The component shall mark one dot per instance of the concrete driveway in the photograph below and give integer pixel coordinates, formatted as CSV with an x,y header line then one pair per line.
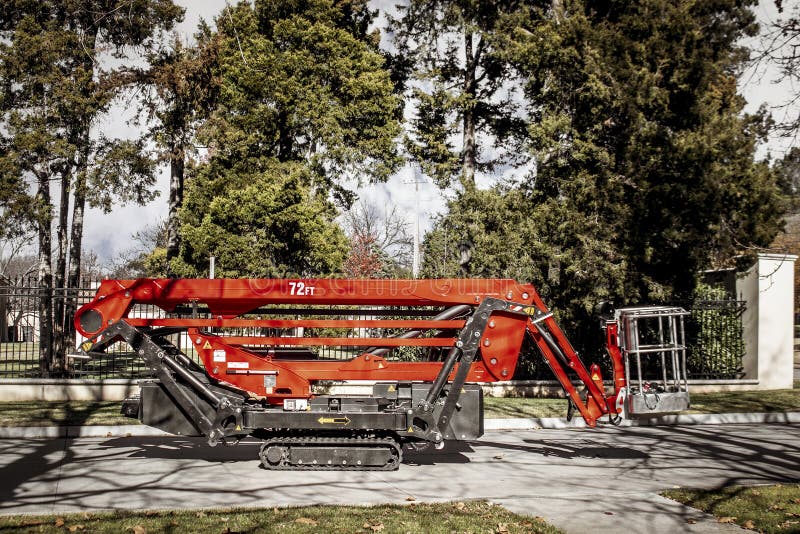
x,y
601,480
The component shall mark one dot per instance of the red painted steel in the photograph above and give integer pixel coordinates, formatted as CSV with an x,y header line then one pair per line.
x,y
256,363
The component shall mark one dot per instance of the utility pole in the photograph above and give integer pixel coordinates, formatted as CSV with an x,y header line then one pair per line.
x,y
416,180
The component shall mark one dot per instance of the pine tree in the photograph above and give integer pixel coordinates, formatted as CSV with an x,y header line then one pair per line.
x,y
305,105
458,83
182,86
645,170
53,91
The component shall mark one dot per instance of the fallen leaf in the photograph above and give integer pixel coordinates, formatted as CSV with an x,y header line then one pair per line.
x,y
796,501
75,528
526,524
139,529
306,521
460,505
755,492
201,514
410,498
59,522
608,513
223,519
691,521
498,457
376,528
85,515
749,524
502,528
726,519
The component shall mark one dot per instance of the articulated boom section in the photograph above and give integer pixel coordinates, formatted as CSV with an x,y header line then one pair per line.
x,y
267,347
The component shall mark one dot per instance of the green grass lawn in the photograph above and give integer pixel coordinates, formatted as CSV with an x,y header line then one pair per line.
x,y
469,516
769,509
779,400
75,413
506,407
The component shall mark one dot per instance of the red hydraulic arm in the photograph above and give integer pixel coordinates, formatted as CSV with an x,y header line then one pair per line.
x,y
245,330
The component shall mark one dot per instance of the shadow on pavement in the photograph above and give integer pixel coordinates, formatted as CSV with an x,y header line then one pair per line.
x,y
588,449
452,453
35,464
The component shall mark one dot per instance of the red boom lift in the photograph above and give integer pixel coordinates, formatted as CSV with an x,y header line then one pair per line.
x,y
269,348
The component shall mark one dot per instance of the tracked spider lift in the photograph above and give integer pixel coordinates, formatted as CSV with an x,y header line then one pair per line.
x,y
267,350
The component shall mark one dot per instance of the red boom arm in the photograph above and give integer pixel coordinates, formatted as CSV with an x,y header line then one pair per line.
x,y
243,329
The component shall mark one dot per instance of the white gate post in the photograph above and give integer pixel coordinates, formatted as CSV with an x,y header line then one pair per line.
x,y
768,321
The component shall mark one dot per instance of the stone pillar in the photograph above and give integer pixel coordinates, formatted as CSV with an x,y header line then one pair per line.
x,y
768,289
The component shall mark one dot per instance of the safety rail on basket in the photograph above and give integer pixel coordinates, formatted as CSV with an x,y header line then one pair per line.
x,y
652,342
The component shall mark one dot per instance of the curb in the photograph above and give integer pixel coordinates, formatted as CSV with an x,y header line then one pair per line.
x,y
71,432
535,423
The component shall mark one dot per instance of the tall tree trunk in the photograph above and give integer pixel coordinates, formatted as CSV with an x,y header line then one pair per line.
x,y
76,243
176,168
470,150
59,277
79,205
45,276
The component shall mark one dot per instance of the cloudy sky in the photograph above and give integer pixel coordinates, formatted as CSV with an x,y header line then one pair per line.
x,y
109,234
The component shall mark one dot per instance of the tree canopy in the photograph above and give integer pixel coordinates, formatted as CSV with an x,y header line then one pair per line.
x,y
634,165
268,224
305,103
460,84
52,92
645,169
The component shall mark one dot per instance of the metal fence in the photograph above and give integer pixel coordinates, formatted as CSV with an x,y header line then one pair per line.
x,y
22,347
714,337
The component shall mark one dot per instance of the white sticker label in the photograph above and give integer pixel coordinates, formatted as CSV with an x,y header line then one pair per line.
x,y
302,289
238,365
219,355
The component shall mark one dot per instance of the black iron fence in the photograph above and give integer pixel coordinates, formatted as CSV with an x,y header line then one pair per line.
x,y
715,339
713,330
25,347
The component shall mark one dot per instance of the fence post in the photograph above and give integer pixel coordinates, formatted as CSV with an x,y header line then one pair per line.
x,y
768,288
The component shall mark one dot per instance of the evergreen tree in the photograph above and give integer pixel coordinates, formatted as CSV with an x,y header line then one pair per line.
x,y
53,91
459,83
263,225
182,88
644,164
305,104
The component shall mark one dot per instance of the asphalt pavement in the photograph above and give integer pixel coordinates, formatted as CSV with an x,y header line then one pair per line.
x,y
581,480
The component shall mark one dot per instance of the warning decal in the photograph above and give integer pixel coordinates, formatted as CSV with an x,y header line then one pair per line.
x,y
219,355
